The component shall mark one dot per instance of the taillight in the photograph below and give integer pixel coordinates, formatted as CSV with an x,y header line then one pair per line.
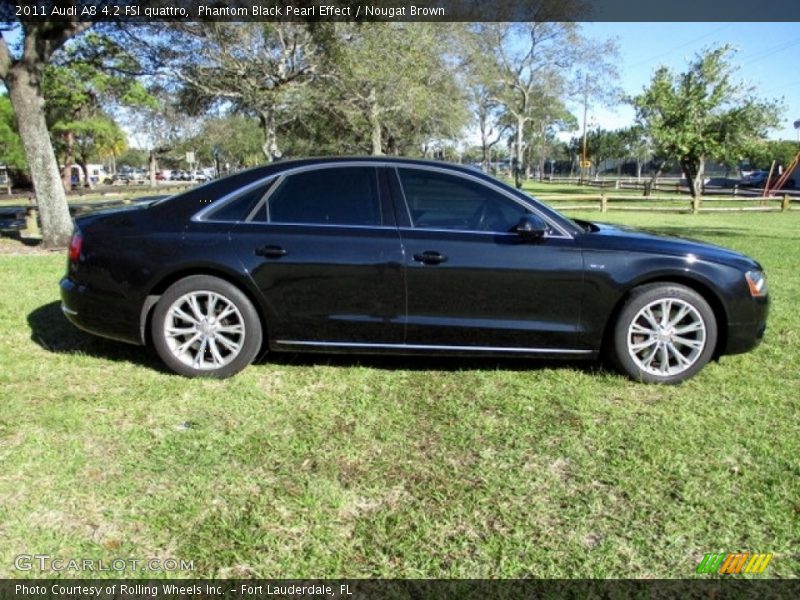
x,y
75,246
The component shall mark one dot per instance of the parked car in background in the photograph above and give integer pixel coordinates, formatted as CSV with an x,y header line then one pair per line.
x,y
759,178
383,255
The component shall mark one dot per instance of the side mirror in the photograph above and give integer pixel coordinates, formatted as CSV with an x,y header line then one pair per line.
x,y
531,227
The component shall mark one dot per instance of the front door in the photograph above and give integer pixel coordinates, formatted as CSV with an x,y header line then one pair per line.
x,y
472,282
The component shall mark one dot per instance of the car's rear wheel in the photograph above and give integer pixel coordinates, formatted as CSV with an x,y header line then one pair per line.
x,y
665,333
204,326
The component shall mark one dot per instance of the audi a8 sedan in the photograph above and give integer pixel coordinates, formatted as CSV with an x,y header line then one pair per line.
x,y
386,255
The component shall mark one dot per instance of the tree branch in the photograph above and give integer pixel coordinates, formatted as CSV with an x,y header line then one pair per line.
x,y
42,39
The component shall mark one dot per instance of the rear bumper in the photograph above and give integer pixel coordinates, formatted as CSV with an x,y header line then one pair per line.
x,y
99,314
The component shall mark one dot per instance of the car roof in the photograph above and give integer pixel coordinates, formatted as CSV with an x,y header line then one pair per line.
x,y
194,199
282,165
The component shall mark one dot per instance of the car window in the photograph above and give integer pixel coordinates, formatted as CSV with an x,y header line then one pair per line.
x,y
240,207
441,201
334,196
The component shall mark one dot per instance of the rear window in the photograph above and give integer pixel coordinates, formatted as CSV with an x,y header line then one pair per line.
x,y
240,207
328,196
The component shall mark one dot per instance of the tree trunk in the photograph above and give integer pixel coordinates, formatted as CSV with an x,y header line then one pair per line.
x,y
26,97
270,145
87,182
66,174
484,156
518,153
152,164
693,170
484,144
375,125
656,174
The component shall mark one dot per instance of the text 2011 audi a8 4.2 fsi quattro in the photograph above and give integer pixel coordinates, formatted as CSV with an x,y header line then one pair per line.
x,y
401,256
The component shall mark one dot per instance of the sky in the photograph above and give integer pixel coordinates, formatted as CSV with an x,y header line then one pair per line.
x,y
768,55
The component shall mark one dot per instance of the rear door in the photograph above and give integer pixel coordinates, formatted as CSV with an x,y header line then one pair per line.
x,y
324,251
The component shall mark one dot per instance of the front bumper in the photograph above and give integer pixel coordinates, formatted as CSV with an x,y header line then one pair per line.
x,y
743,337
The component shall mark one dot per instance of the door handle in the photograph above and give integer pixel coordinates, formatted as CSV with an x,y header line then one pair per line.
x,y
271,251
430,257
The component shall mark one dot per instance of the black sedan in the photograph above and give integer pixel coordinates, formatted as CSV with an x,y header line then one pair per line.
x,y
374,255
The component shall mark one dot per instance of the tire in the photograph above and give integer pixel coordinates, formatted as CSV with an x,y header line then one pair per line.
x,y
189,335
681,345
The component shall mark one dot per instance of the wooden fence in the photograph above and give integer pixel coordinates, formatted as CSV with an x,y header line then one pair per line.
x,y
607,202
674,185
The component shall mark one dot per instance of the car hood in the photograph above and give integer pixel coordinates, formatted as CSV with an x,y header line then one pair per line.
x,y
638,240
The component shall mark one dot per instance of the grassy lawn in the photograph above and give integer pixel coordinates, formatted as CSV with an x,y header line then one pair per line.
x,y
333,467
541,187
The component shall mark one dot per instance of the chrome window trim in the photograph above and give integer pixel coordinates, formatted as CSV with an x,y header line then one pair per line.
x,y
327,225
265,199
488,184
348,164
405,199
434,347
474,232
230,197
200,216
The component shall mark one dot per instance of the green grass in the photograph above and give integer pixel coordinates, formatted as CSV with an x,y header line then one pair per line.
x,y
544,188
337,467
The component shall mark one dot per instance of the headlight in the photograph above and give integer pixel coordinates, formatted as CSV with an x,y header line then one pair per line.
x,y
757,282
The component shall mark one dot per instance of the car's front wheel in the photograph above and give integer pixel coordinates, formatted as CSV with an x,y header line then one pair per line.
x,y
665,333
204,326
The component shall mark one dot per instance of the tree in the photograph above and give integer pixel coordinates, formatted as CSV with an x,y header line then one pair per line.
x,y
596,83
93,72
530,69
529,62
487,116
637,146
548,119
132,157
21,73
400,93
236,139
161,125
97,137
602,145
702,114
12,153
761,155
259,68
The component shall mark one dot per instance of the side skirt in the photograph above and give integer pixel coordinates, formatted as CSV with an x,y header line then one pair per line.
x,y
369,348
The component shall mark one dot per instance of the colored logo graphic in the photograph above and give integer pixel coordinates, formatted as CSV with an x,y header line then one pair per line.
x,y
733,563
